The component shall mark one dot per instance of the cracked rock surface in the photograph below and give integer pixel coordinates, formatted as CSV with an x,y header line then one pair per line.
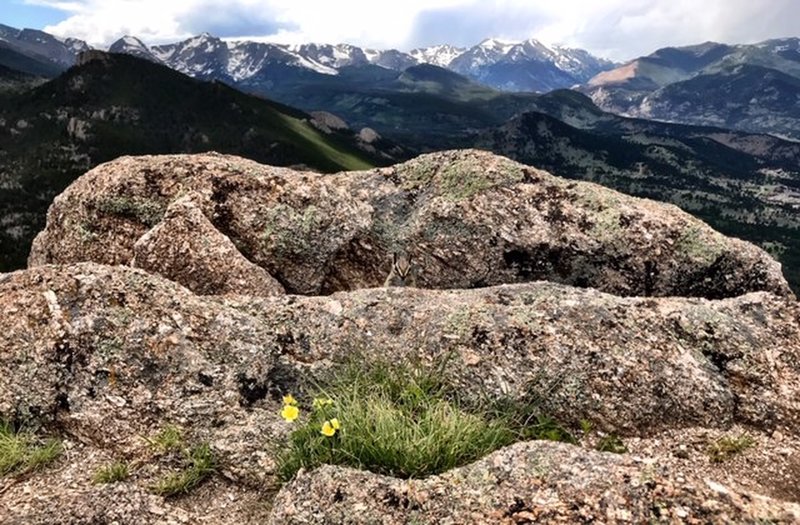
x,y
104,356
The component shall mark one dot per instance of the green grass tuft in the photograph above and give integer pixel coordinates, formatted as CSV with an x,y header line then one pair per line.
x,y
113,473
200,464
403,422
612,443
169,438
528,422
22,452
728,446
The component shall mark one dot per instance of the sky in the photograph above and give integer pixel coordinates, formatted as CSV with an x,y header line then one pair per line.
x,y
615,29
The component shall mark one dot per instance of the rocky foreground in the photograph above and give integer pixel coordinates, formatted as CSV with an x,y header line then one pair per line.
x,y
156,296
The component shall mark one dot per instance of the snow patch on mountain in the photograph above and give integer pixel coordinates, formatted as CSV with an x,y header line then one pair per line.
x,y
441,55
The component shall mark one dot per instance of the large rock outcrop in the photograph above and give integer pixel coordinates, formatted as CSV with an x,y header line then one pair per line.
x,y
531,482
469,218
104,356
165,306
632,365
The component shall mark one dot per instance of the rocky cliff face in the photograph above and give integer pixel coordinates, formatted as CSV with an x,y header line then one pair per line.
x,y
198,335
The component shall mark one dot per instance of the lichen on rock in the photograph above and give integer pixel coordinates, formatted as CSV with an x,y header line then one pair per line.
x,y
534,482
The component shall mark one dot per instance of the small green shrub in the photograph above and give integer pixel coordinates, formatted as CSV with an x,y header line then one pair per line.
x,y
400,421
113,473
612,443
200,464
728,446
22,452
168,439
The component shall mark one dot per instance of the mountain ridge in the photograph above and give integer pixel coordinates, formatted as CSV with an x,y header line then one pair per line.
x,y
210,57
747,87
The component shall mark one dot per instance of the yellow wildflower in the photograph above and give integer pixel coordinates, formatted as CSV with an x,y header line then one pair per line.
x,y
290,412
289,400
329,428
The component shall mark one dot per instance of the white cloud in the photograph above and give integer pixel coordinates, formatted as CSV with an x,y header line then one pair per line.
x,y
100,22
638,27
616,28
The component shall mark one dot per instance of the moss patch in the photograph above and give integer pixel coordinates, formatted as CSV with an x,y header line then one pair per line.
x,y
291,231
700,244
728,446
460,178
146,211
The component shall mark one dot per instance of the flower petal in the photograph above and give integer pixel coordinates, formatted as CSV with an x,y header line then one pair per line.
x,y
289,400
290,413
327,429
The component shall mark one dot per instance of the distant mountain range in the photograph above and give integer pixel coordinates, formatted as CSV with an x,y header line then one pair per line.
x,y
522,66
747,87
511,66
44,48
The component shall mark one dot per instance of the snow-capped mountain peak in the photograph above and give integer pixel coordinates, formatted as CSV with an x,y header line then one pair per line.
x,y
131,45
76,46
440,55
331,56
495,44
204,40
